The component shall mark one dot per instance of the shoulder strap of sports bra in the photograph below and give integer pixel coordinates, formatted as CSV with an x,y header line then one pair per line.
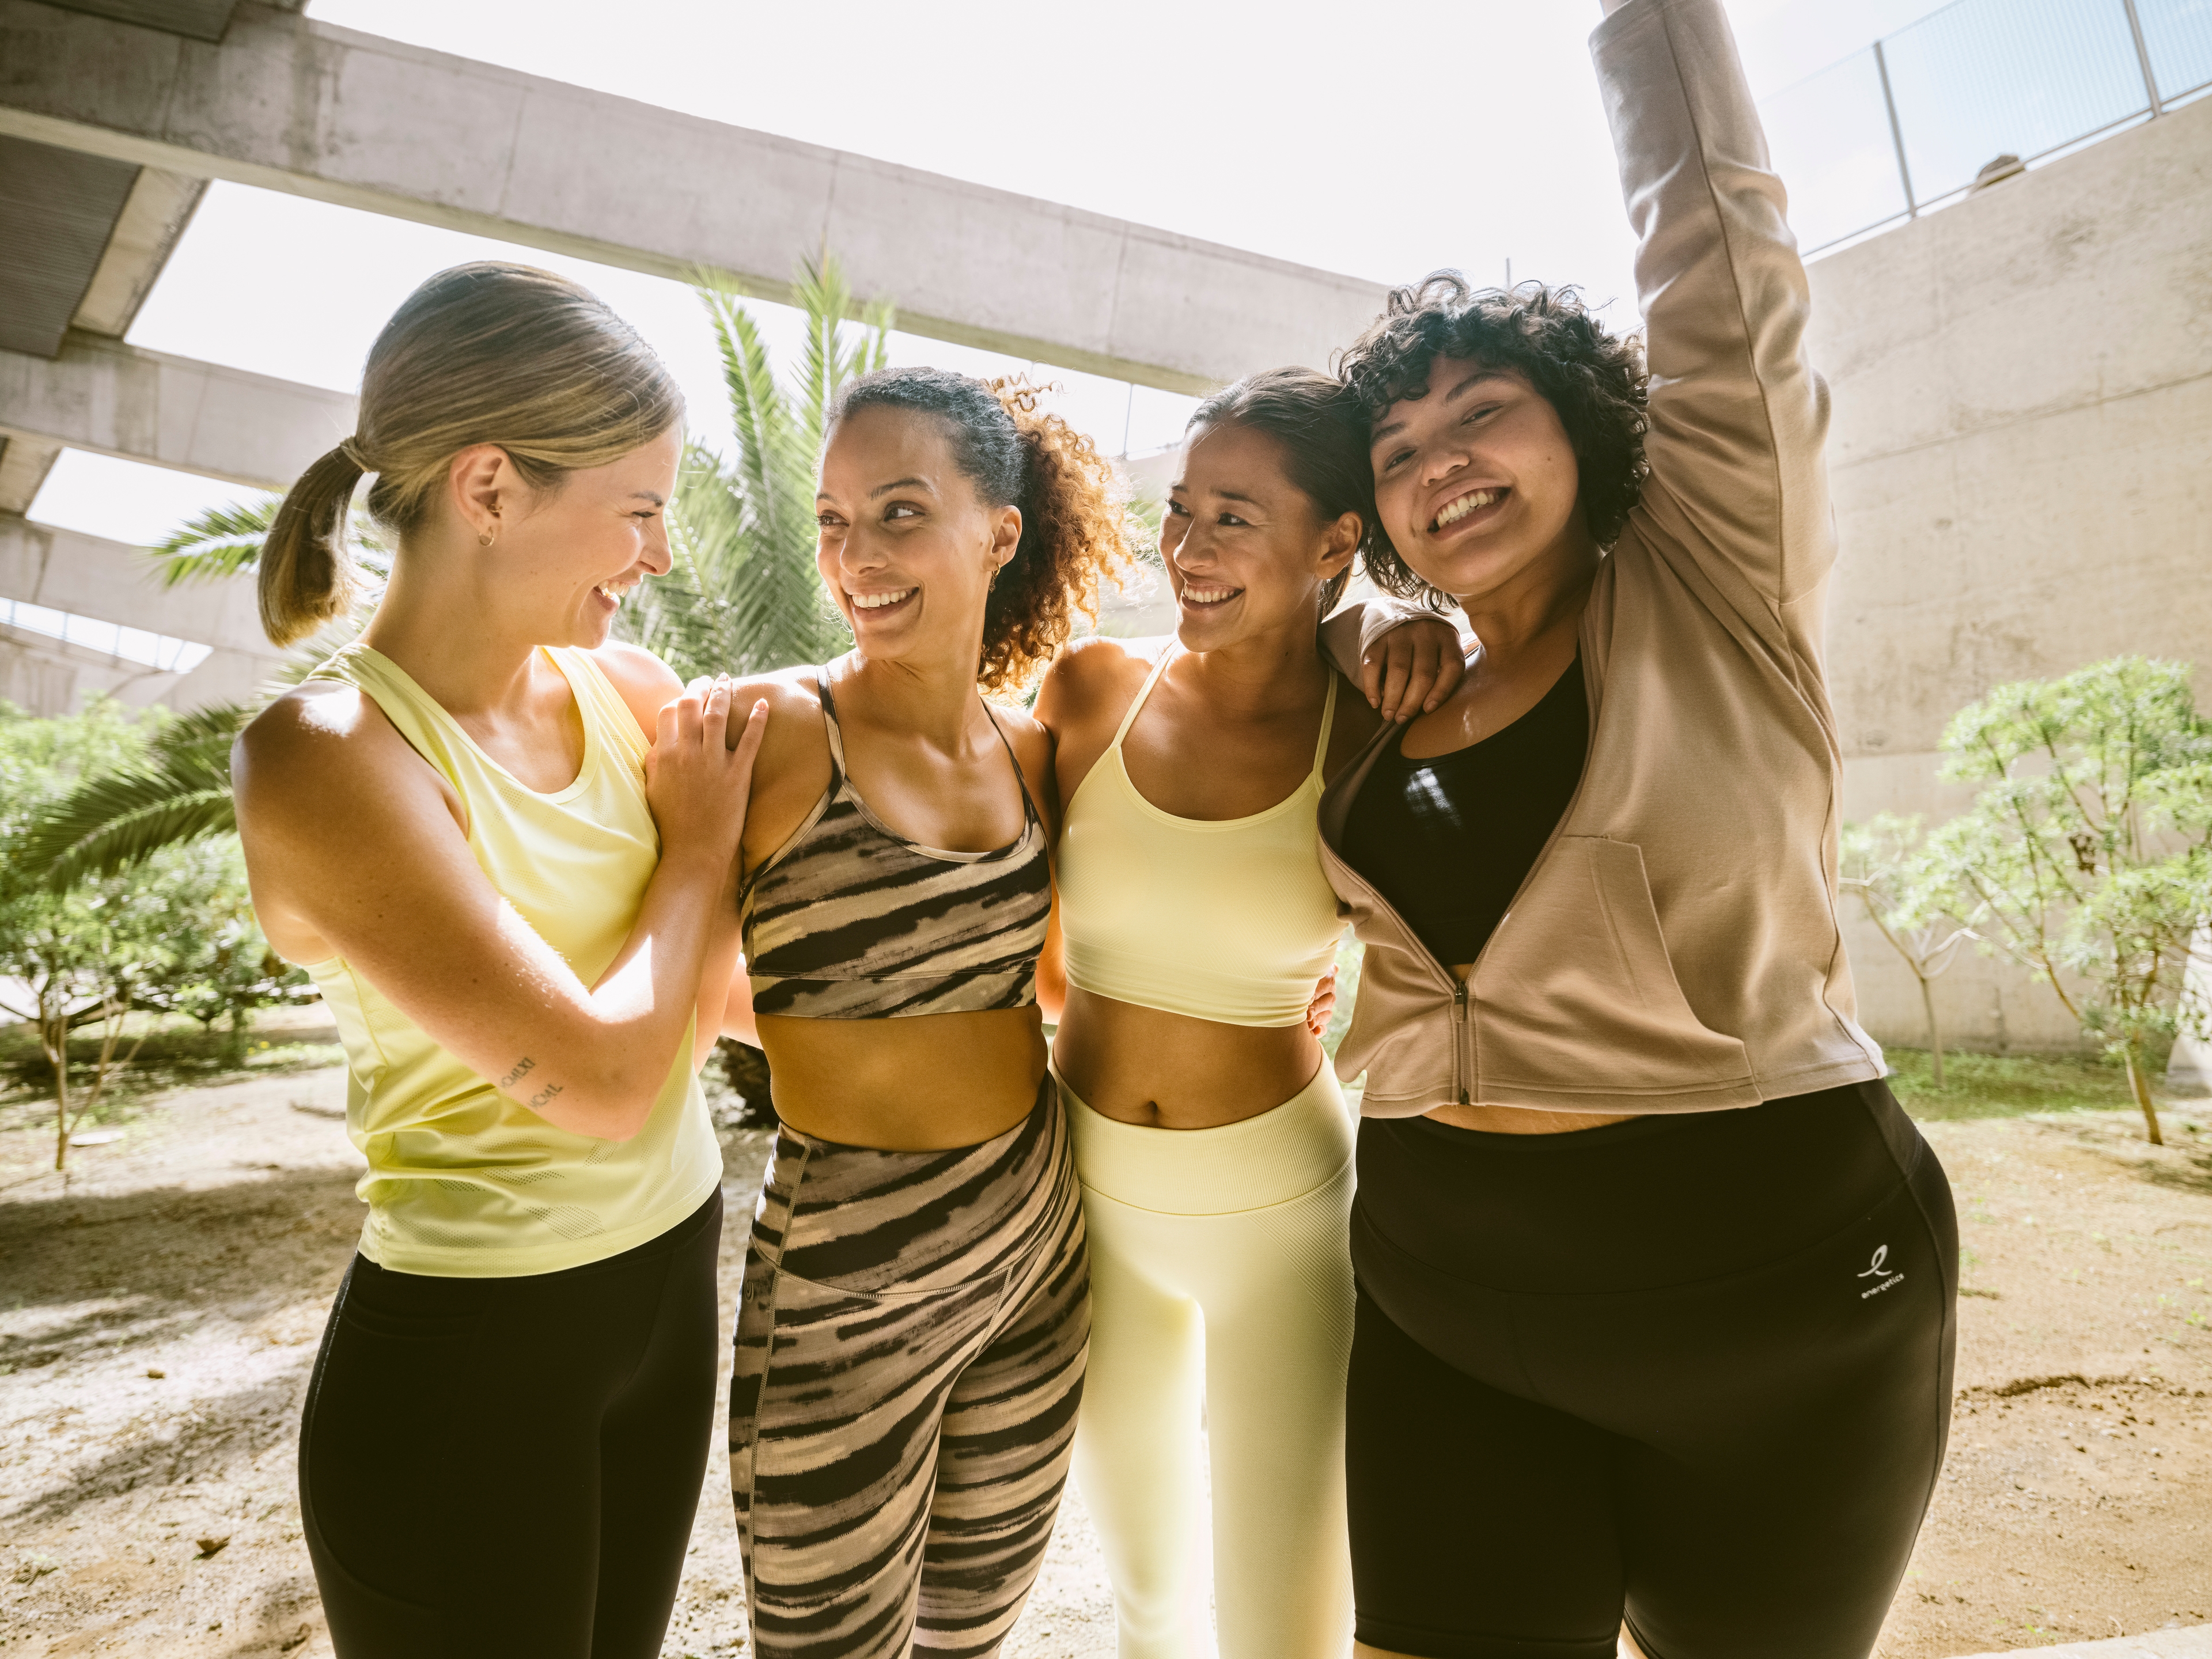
x,y
1143,692
1029,806
829,718
1327,721
837,742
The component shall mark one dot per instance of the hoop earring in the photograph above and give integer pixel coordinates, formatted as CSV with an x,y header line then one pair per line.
x,y
484,540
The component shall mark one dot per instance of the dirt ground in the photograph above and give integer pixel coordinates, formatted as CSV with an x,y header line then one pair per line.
x,y
159,1316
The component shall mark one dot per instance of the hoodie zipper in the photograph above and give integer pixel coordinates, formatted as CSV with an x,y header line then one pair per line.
x,y
1462,1040
1459,1044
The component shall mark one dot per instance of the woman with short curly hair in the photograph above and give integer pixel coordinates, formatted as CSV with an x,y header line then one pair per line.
x,y
1654,1335
912,1334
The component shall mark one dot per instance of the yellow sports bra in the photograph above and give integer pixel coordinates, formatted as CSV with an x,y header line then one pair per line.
x,y
1230,921
462,1181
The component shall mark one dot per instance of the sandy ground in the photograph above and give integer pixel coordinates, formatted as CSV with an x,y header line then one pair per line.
x,y
159,1316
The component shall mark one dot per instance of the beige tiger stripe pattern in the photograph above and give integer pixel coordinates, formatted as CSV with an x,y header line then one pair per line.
x,y
910,1350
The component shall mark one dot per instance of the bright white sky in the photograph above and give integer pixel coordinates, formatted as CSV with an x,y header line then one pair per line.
x,y
1383,139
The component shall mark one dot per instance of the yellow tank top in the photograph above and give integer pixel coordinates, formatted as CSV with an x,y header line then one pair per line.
x,y
462,1181
1230,921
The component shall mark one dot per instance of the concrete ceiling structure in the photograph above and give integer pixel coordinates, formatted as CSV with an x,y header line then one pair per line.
x,y
115,113
102,395
290,105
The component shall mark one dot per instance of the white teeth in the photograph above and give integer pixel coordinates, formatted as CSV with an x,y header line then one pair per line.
x,y
1465,505
612,592
877,601
1208,595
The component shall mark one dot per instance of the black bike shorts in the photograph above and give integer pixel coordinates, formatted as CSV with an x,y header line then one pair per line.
x,y
1691,1372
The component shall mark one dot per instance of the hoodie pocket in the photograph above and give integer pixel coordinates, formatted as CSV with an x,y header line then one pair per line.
x,y
1576,996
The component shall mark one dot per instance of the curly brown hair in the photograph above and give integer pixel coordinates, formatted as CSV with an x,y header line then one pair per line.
x,y
1596,380
1074,519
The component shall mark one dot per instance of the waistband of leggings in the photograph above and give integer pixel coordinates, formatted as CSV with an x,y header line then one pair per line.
x,y
1284,1153
1658,1200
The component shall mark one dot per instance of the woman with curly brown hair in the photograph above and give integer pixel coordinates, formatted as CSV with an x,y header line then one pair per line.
x,y
1654,1337
912,1334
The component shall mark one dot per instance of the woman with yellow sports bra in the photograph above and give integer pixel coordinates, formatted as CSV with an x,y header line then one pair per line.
x,y
911,1335
1212,1143
505,849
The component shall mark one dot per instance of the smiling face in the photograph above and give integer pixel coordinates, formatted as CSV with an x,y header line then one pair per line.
x,y
907,547
1245,551
1476,483
579,547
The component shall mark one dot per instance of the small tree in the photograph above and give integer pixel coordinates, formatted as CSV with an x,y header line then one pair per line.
x,y
1881,858
68,950
2087,856
215,966
136,919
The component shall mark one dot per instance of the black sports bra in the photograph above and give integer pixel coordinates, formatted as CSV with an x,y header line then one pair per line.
x,y
1448,839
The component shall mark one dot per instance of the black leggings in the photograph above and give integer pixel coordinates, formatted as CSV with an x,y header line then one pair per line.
x,y
1694,1371
509,1467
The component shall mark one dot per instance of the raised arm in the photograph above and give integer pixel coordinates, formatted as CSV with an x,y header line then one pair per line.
x,y
1738,488
354,847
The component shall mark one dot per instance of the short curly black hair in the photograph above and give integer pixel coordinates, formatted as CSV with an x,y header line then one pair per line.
x,y
1593,378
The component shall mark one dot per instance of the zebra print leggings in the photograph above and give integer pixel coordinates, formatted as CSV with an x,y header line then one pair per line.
x,y
910,1349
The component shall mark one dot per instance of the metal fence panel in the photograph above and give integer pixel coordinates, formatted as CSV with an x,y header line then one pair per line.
x,y
2178,36
1830,139
1988,77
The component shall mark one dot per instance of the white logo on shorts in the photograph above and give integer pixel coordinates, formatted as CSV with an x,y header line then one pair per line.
x,y
1877,1268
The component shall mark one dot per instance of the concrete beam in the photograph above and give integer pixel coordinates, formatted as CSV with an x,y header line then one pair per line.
x,y
110,581
51,676
287,104
116,399
24,463
153,215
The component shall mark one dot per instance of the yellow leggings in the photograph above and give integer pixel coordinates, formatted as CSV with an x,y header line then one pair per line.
x,y
1220,1277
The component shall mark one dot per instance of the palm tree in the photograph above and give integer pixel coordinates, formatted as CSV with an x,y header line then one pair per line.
x,y
743,595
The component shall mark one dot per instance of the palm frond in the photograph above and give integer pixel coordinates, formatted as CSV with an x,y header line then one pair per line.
x,y
223,542
219,542
120,819
208,731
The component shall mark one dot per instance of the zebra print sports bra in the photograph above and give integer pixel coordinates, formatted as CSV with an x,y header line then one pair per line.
x,y
849,919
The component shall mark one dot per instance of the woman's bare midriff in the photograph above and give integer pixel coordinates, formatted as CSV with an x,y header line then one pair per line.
x,y
1166,1071
926,1084
1516,1120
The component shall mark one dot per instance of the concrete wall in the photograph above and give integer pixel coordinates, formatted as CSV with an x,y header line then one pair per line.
x,y
2022,464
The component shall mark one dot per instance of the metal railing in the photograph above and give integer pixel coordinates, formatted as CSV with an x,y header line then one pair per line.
x,y
1909,124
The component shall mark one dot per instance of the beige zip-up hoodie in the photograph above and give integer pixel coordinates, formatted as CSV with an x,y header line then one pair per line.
x,y
1675,947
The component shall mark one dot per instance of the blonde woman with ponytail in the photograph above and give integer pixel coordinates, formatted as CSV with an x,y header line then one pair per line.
x,y
505,848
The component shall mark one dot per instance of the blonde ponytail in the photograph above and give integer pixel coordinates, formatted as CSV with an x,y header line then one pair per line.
x,y
486,353
307,575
